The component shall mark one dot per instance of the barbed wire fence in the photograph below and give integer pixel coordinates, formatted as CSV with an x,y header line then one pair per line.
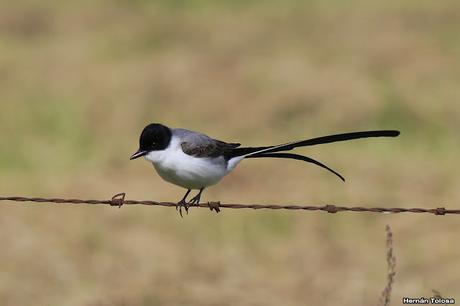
x,y
119,200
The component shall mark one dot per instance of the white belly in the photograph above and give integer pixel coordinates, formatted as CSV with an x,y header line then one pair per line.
x,y
191,176
190,172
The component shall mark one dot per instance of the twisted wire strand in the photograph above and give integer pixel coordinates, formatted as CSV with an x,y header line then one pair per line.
x,y
120,199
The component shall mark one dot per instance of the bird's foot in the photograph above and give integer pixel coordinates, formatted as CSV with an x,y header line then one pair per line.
x,y
195,200
182,204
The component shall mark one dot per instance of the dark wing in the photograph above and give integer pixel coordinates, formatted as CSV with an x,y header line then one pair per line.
x,y
201,145
209,148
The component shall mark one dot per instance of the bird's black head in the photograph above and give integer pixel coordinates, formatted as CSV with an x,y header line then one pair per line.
x,y
154,137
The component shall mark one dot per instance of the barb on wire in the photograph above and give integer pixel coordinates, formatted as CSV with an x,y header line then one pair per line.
x,y
120,200
391,273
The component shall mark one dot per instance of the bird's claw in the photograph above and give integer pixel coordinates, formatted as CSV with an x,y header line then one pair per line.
x,y
186,205
195,201
183,204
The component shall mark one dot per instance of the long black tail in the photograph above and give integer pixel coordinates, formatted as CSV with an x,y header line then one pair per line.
x,y
271,151
297,157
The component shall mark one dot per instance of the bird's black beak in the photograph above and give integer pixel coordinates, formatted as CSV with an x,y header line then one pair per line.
x,y
138,154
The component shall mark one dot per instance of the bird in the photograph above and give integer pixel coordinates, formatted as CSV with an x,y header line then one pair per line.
x,y
195,161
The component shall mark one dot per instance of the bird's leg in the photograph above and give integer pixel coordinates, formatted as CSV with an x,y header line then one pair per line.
x,y
196,200
183,203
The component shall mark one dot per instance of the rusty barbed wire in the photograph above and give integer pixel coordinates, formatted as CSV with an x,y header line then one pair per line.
x,y
120,199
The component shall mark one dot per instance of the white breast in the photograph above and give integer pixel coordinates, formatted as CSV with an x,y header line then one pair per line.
x,y
178,168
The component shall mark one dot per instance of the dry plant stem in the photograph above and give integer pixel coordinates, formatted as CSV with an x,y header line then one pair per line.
x,y
119,200
391,262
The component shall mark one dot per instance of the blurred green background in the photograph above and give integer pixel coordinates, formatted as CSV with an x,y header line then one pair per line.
x,y
80,79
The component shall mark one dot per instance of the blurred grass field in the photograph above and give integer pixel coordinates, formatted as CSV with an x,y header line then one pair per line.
x,y
80,79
